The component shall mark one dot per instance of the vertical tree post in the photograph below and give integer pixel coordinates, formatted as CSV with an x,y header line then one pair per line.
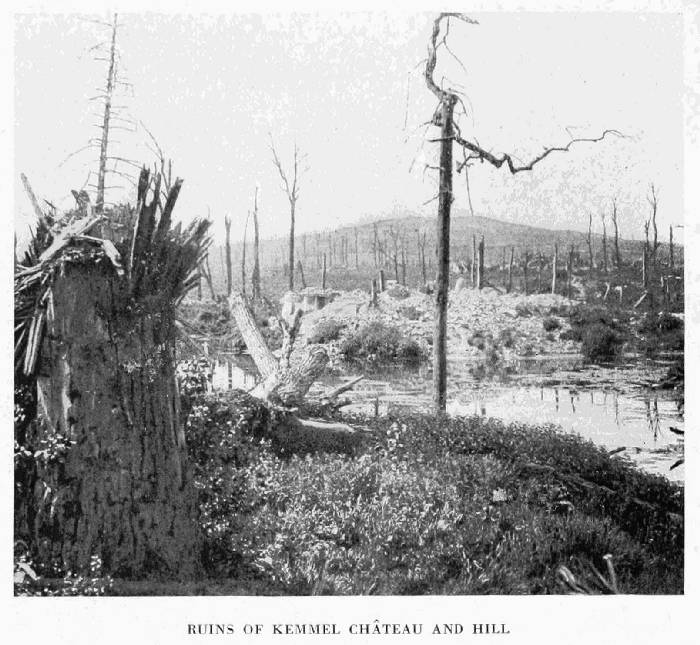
x,y
373,293
653,202
589,242
670,247
510,269
526,260
605,245
443,254
616,238
540,268
255,276
323,273
300,268
357,252
555,258
382,281
109,89
473,267
229,272
569,270
480,264
228,255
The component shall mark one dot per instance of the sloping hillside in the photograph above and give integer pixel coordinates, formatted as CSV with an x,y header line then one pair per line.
x,y
406,234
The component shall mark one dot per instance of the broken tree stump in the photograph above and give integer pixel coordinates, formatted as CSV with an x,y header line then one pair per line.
x,y
285,385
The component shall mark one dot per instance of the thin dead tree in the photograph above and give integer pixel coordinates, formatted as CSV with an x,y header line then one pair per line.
x,y
109,90
653,202
395,235
589,243
291,188
450,133
422,238
255,276
616,233
605,244
229,269
245,235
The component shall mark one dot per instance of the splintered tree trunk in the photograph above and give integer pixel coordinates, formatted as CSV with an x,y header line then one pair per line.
x,y
555,257
107,388
323,273
670,247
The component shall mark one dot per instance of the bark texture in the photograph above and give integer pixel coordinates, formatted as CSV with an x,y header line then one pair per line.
x,y
107,388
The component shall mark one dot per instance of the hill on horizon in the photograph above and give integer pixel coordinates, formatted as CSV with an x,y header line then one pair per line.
x,y
404,233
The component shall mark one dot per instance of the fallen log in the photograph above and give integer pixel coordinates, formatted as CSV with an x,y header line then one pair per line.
x,y
285,386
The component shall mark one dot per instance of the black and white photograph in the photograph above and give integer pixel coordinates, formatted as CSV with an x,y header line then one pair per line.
x,y
376,302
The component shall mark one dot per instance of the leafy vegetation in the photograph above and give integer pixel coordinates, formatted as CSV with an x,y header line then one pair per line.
x,y
377,341
551,324
466,506
326,331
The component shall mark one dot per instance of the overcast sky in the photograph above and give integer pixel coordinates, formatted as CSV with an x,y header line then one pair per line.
x,y
349,89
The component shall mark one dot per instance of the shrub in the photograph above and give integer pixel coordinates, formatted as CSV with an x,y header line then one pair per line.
x,y
522,310
377,341
411,312
599,343
506,337
551,324
325,331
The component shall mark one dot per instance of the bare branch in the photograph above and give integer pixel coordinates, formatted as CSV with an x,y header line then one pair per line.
x,y
485,155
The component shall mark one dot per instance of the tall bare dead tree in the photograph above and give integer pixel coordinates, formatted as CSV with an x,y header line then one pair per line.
x,y
229,269
450,133
245,235
616,233
589,243
605,244
109,90
291,188
653,202
255,276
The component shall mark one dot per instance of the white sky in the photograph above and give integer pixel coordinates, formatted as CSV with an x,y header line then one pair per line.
x,y
349,89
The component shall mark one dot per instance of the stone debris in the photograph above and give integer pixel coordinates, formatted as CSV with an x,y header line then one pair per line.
x,y
476,319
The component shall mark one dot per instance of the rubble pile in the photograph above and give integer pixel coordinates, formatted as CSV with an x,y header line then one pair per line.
x,y
476,319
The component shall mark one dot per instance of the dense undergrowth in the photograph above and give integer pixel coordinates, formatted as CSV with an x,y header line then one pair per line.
x,y
459,506
455,507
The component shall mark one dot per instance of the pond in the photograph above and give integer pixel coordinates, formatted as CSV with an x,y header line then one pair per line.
x,y
613,406
610,405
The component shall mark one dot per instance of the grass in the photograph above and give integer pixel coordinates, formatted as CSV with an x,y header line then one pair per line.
x,y
427,507
457,506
